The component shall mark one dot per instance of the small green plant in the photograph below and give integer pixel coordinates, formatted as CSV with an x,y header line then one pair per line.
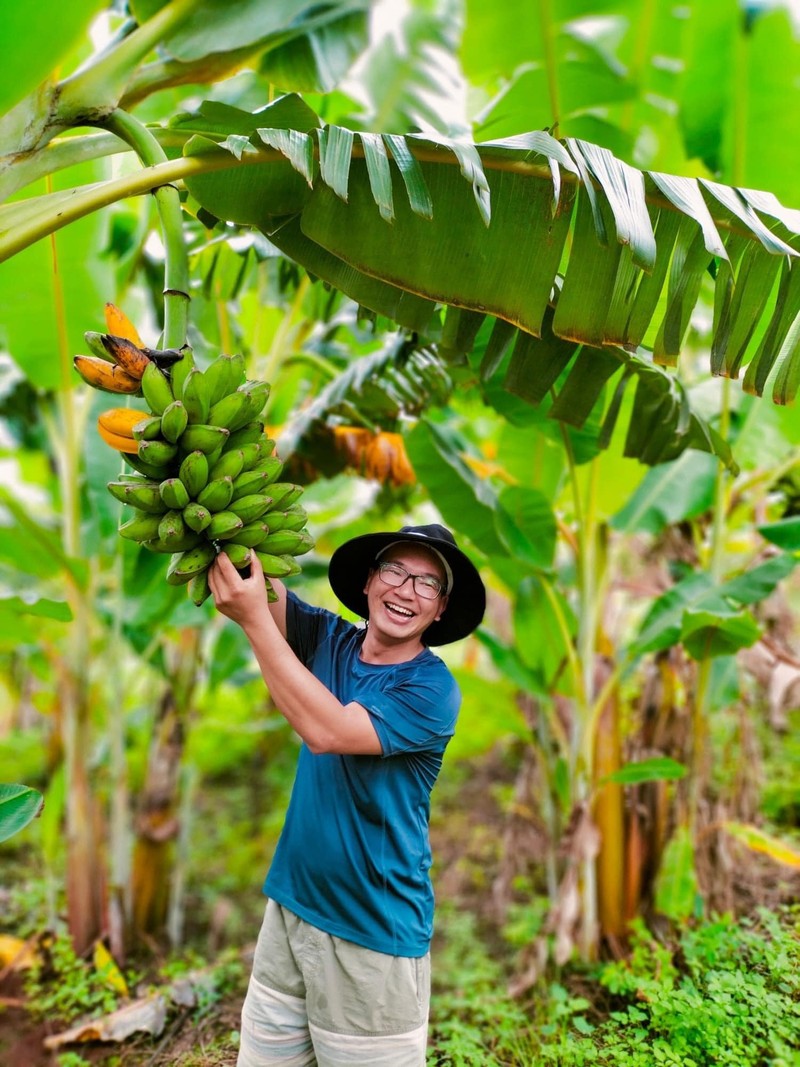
x,y
72,1059
726,994
61,985
210,983
474,1021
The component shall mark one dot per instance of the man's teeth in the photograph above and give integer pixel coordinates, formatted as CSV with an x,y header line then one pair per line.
x,y
400,611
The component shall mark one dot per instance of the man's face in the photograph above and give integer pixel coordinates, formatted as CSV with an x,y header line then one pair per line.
x,y
399,613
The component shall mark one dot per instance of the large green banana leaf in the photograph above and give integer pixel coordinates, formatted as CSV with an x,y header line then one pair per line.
x,y
512,228
560,241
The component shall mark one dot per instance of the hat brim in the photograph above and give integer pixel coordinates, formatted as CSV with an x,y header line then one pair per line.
x,y
351,562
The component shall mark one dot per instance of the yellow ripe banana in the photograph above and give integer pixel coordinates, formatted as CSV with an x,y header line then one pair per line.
x,y
109,377
121,421
118,441
120,325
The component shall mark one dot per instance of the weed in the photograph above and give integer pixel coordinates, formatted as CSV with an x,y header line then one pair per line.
x,y
474,1022
72,1059
62,985
726,993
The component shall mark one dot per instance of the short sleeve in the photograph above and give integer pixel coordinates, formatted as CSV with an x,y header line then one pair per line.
x,y
307,627
417,715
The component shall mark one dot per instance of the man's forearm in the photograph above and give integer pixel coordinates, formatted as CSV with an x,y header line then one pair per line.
x,y
323,722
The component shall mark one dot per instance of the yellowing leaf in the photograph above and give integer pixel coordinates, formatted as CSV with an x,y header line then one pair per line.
x,y
15,953
108,970
759,841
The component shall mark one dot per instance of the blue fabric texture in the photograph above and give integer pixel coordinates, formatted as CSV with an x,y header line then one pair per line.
x,y
354,855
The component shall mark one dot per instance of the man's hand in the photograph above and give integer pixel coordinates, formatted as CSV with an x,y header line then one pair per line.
x,y
244,600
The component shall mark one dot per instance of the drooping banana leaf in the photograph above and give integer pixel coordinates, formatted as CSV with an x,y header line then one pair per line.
x,y
521,230
639,243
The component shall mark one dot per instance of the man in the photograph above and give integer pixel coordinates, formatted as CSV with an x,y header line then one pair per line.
x,y
341,974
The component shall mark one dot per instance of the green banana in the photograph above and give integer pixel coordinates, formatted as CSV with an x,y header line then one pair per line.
x,y
228,411
217,378
271,465
237,371
287,542
180,544
257,393
196,516
216,495
95,342
156,389
238,554
157,453
252,534
144,496
174,494
250,432
293,518
251,507
198,587
190,563
284,494
202,437
247,483
152,471
172,528
180,371
292,564
142,527
193,472
223,524
253,453
195,397
249,410
274,566
148,429
229,463
174,421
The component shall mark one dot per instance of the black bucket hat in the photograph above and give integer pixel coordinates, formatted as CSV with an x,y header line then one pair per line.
x,y
351,562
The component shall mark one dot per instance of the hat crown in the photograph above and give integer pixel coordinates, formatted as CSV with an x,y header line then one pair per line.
x,y
433,531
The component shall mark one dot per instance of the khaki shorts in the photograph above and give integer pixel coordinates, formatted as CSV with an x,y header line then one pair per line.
x,y
316,999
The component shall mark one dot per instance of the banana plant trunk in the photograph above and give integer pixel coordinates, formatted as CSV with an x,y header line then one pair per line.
x,y
85,876
157,822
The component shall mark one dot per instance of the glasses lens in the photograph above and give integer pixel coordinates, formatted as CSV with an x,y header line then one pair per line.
x,y
392,574
427,588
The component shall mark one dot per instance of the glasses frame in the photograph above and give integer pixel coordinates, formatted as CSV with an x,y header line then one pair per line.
x,y
382,565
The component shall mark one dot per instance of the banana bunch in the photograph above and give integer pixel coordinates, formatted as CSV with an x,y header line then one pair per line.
x,y
205,477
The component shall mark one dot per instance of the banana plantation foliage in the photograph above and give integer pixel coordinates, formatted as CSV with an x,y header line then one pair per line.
x,y
276,274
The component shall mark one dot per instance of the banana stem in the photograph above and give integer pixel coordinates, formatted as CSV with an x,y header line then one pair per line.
x,y
102,83
167,198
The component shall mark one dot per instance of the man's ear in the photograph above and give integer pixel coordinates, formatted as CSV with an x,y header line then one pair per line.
x,y
370,573
442,608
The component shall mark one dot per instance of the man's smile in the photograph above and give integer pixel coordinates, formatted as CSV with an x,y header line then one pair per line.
x,y
398,609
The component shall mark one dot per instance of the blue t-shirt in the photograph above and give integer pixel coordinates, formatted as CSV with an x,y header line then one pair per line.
x,y
354,855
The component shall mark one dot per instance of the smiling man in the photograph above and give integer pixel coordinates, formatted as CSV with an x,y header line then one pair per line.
x,y
341,973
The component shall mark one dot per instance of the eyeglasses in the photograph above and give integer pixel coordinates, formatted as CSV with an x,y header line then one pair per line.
x,y
425,585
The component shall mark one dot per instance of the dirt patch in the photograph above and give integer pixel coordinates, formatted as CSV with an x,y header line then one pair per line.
x,y
189,1039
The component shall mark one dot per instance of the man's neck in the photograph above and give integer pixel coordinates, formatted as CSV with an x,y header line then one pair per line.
x,y
375,650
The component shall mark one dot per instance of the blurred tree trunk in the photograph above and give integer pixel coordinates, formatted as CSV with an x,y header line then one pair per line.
x,y
157,822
